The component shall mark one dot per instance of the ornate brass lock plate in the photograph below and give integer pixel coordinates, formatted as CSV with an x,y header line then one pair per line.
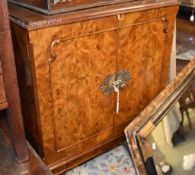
x,y
119,79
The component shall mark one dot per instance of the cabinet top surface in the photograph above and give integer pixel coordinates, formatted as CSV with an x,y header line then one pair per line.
x,y
32,20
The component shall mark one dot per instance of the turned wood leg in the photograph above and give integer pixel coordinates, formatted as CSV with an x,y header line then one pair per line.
x,y
11,86
189,120
182,118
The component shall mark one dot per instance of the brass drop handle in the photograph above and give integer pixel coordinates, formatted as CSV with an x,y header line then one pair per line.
x,y
116,90
165,22
52,52
114,83
120,17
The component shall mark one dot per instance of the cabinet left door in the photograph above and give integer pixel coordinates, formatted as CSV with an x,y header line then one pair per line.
x,y
70,63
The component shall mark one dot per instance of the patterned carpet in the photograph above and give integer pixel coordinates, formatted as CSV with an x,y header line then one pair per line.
x,y
114,162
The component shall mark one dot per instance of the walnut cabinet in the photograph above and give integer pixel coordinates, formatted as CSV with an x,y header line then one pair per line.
x,y
62,62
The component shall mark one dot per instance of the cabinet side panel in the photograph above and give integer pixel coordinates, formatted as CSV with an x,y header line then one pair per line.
x,y
26,86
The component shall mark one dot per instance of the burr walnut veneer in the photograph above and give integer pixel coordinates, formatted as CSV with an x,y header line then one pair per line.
x,y
62,61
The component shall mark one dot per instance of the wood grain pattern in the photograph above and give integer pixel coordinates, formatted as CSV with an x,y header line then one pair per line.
x,y
3,100
147,61
59,6
2,88
35,20
71,81
75,80
185,25
32,3
49,7
80,4
2,91
74,118
142,58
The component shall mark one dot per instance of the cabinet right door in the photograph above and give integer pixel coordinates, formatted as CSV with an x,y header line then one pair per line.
x,y
144,51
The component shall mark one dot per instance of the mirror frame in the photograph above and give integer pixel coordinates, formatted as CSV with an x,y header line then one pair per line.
x,y
140,128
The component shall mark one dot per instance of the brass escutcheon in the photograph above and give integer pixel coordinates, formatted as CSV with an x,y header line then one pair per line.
x,y
119,79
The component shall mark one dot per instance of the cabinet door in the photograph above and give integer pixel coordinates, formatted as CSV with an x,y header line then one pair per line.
x,y
142,52
80,110
75,116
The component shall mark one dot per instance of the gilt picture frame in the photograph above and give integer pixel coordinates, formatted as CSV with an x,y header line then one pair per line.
x,y
140,128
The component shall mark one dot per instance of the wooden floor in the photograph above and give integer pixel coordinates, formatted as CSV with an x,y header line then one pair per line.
x,y
8,163
9,166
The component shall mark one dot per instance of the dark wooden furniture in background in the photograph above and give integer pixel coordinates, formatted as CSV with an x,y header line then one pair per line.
x,y
186,102
62,61
185,11
59,6
185,43
9,94
25,161
9,166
